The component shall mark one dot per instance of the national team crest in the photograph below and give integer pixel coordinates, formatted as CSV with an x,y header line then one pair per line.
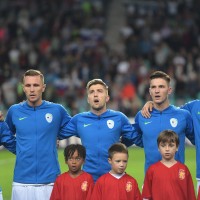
x,y
84,186
110,123
181,174
129,186
173,122
49,117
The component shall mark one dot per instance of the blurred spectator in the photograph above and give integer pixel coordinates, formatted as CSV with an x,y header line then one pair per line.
x,y
65,39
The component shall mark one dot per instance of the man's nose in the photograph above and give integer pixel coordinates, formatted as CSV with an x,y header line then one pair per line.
x,y
32,88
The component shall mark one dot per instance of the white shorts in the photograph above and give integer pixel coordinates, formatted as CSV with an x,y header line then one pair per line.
x,y
1,196
198,184
31,191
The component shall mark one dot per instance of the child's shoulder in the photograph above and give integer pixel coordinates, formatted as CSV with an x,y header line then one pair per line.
x,y
86,174
129,177
182,165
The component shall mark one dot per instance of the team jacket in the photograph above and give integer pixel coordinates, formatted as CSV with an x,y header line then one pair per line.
x,y
7,139
36,129
172,118
97,134
194,108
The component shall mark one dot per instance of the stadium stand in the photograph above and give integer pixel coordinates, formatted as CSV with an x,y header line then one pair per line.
x,y
70,42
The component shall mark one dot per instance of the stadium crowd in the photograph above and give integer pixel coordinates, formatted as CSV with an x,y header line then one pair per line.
x,y
65,39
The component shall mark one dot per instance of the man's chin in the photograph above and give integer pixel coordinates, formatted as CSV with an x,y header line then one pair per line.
x,y
97,108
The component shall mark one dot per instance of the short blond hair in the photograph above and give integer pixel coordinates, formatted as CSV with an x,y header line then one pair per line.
x,y
33,72
95,82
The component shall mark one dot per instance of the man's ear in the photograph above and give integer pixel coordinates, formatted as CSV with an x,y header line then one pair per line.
x,y
107,98
150,91
44,87
170,90
109,160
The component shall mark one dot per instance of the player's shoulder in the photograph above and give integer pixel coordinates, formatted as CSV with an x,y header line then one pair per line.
x,y
115,113
83,115
51,104
178,110
192,104
17,105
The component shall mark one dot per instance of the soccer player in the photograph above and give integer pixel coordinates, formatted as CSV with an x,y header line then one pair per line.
x,y
99,128
37,124
168,179
164,116
116,184
74,184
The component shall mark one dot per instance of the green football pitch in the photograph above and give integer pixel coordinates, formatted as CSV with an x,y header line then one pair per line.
x,y
135,167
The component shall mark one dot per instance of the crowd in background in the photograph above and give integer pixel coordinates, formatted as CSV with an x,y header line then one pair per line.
x,y
65,39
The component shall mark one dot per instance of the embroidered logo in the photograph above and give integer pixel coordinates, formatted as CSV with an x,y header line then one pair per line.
x,y
85,125
128,186
173,122
145,123
181,174
110,123
49,117
84,186
21,118
198,113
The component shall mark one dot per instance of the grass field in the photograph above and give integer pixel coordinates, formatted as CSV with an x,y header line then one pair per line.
x,y
135,167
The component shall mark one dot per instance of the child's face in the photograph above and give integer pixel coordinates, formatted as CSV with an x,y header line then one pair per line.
x,y
167,150
118,163
75,163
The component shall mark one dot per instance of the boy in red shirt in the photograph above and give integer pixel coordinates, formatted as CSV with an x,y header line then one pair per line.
x,y
74,184
168,179
116,184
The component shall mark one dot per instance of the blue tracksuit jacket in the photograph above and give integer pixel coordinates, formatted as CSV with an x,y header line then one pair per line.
x,y
37,129
7,139
97,134
194,108
172,118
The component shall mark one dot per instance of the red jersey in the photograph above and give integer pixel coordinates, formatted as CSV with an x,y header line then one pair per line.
x,y
168,183
66,187
108,187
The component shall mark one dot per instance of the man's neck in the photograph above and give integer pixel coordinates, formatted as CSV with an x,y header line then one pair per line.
x,y
98,112
34,104
161,106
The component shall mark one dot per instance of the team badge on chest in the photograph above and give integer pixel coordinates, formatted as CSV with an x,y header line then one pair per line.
x,y
110,123
181,174
84,186
128,186
173,122
49,117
